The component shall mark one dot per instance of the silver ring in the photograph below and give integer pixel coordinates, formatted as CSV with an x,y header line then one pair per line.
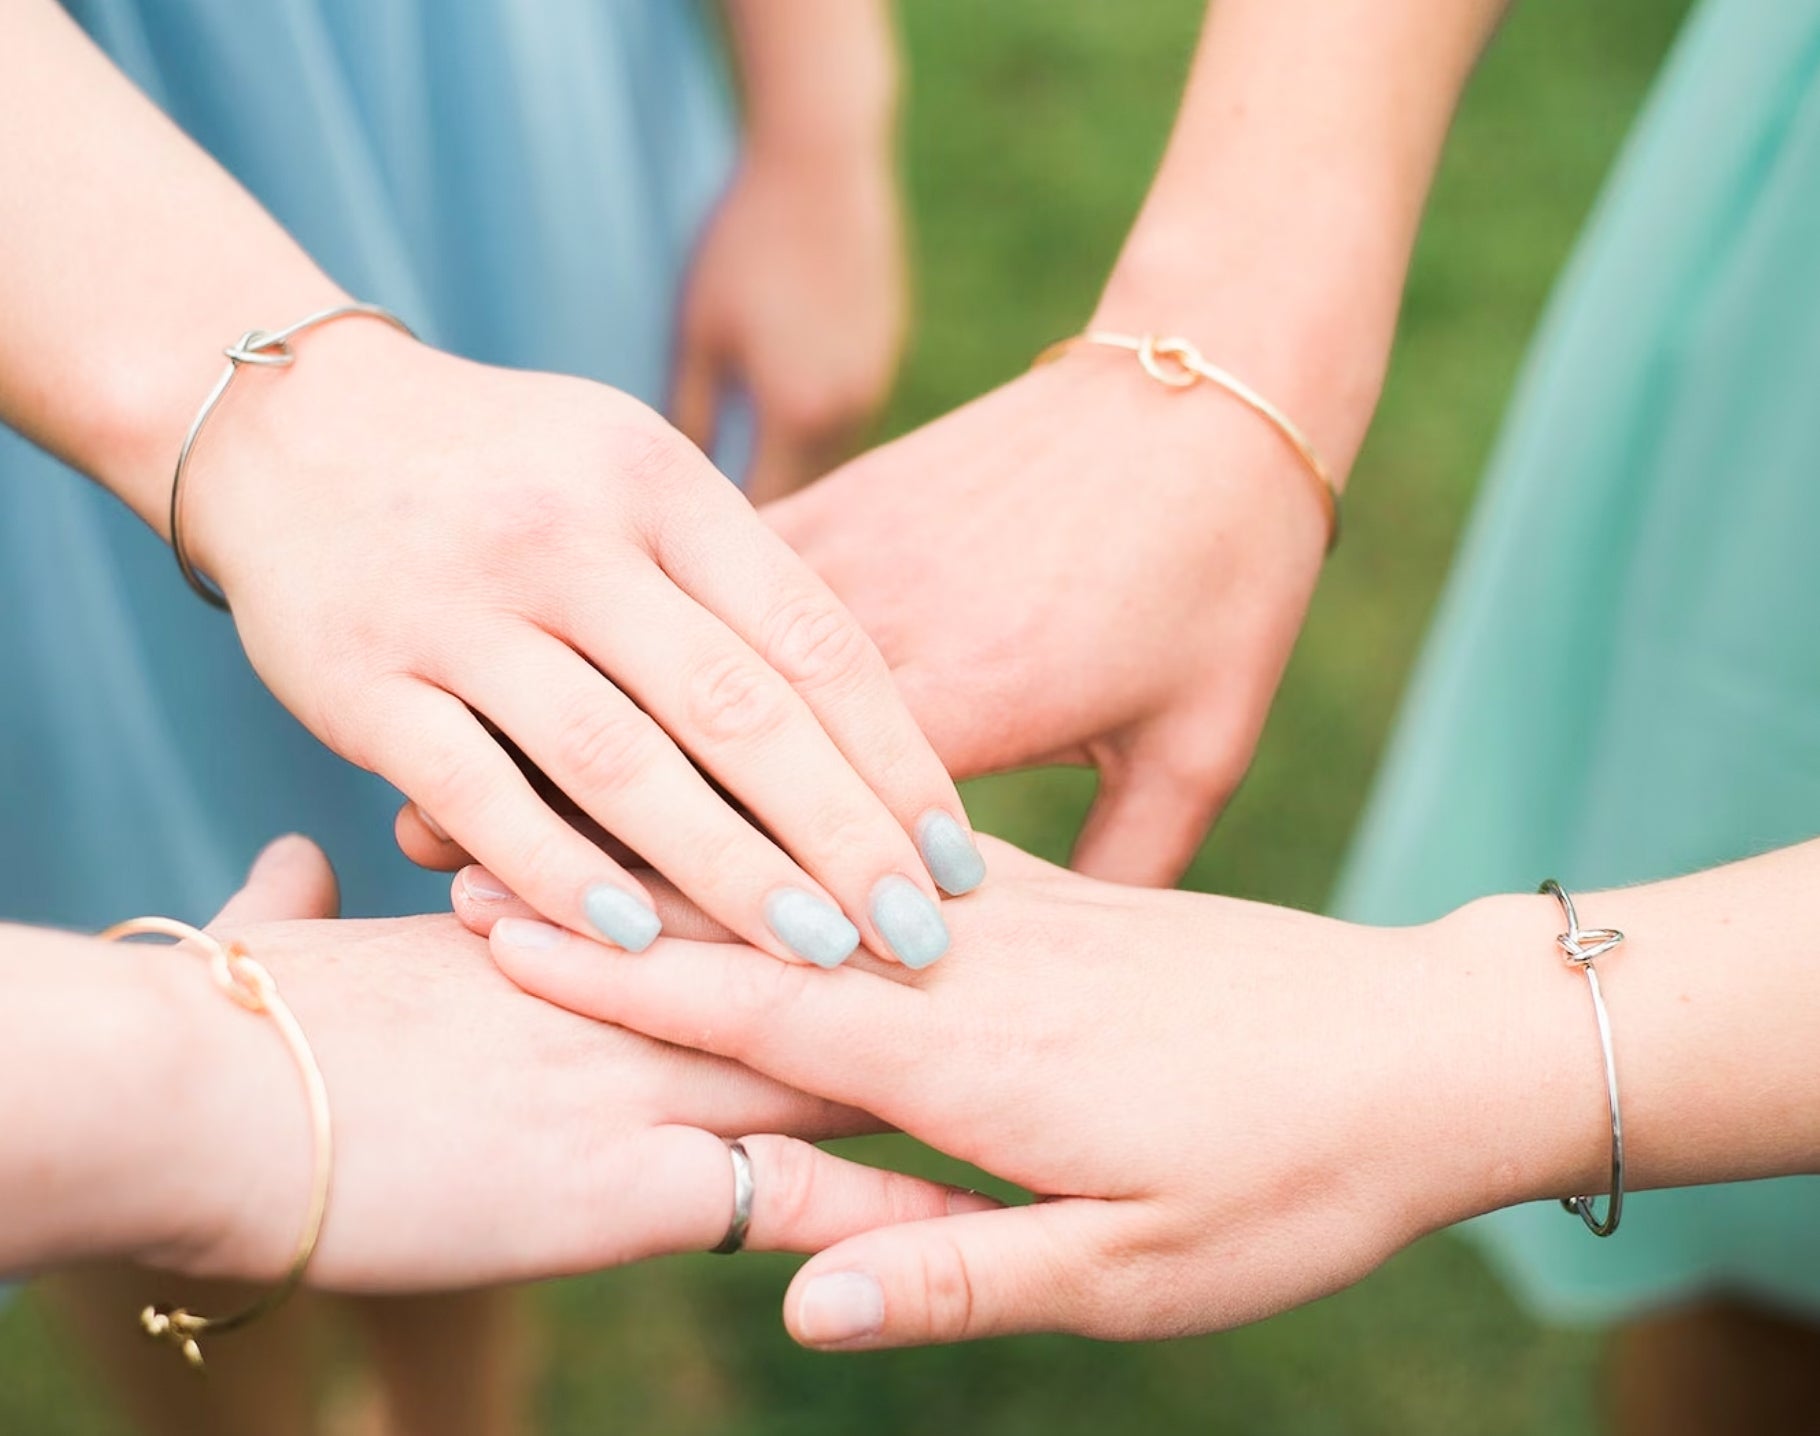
x,y
735,1239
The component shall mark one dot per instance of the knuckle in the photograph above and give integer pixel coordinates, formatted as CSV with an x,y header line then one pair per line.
x,y
944,1284
603,748
791,1184
755,987
812,642
731,700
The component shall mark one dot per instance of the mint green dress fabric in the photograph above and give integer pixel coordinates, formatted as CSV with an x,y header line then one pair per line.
x,y
1623,681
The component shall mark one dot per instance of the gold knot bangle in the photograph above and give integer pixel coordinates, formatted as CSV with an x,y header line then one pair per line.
x,y
269,349
1178,364
247,982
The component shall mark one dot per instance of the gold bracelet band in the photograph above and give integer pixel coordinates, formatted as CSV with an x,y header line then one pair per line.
x,y
248,983
271,350
1177,364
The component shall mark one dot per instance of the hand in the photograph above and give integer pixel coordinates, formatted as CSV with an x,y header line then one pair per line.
x,y
481,1135
1231,1108
1082,567
797,292
424,554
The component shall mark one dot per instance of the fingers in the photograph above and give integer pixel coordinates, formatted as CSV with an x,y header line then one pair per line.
x,y
290,879
609,756
743,723
751,580
804,1028
956,1278
1146,824
438,753
480,900
422,839
803,1199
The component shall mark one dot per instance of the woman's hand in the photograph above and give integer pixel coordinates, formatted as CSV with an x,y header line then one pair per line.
x,y
481,1135
797,293
425,554
1229,1108
1083,566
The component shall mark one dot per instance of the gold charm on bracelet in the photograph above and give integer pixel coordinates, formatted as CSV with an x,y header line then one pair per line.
x,y
1177,364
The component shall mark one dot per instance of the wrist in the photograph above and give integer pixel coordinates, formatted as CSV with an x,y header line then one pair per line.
x,y
1526,1117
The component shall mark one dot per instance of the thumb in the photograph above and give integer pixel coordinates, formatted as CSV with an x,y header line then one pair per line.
x,y
955,1278
1147,822
290,879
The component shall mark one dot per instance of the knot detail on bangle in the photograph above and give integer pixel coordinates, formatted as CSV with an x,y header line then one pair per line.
x,y
258,346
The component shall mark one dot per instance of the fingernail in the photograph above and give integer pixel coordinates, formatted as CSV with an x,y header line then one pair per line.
x,y
843,1306
482,886
812,928
909,923
436,829
948,851
962,1200
524,932
620,917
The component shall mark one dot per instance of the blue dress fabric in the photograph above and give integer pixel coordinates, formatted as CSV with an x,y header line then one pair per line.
x,y
1623,681
523,182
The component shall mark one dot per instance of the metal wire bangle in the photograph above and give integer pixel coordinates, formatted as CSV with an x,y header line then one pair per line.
x,y
1176,364
272,349
1579,946
247,982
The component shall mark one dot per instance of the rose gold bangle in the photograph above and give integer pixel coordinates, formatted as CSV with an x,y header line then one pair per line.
x,y
247,982
1177,364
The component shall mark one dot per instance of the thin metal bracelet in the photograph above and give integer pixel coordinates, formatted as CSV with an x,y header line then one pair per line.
x,y
1177,364
272,349
1579,946
246,981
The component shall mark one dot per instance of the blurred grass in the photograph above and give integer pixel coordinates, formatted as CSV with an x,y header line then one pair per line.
x,y
1033,128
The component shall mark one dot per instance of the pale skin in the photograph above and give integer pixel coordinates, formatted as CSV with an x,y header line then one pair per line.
x,y
412,542
1231,1108
481,1135
1083,566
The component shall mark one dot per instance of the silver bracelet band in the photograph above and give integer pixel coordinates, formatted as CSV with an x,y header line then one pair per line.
x,y
1579,946
256,346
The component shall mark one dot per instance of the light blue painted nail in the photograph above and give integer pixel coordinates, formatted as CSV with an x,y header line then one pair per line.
x,y
812,928
949,854
909,923
620,917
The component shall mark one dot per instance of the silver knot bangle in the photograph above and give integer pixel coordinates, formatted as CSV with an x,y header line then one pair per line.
x,y
1579,946
271,348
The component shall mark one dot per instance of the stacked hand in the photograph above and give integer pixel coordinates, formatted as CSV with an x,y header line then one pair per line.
x,y
431,559
1232,1108
1082,566
481,1135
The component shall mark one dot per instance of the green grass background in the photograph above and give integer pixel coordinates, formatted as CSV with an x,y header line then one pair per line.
x,y
1032,130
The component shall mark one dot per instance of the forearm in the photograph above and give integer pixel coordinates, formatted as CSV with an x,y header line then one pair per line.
x,y
1279,228
1714,999
91,1082
129,260
820,77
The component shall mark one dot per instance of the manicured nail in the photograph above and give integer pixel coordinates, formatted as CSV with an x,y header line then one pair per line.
x,y
482,886
620,917
436,829
843,1306
526,933
948,851
909,923
812,928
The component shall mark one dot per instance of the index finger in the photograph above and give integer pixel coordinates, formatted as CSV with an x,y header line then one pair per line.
x,y
800,1025
742,572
